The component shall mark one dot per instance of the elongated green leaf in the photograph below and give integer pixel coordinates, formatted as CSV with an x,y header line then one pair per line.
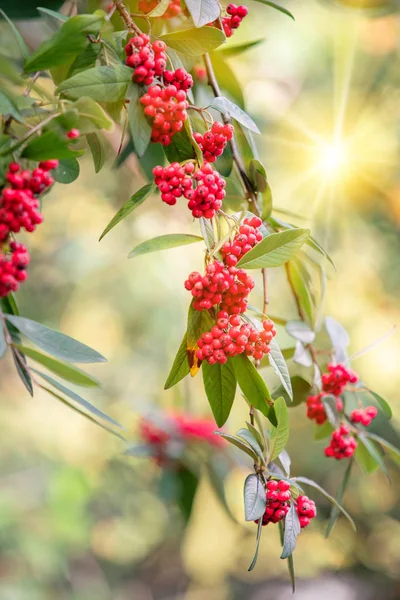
x,y
207,232
180,148
252,385
274,250
259,532
103,84
301,289
257,436
67,372
277,7
290,561
285,461
47,146
246,435
220,386
180,367
22,371
139,126
254,498
236,49
67,171
382,404
323,431
81,401
235,441
258,175
92,116
203,11
227,107
20,40
134,201
56,16
55,343
331,411
374,451
194,42
291,531
164,242
3,343
393,452
97,149
160,9
279,365
227,79
301,389
365,459
337,507
339,338
198,323
312,242
279,434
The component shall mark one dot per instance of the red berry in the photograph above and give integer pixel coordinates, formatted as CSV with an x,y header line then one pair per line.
x,y
73,134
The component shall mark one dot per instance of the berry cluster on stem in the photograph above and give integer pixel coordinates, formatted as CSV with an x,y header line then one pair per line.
x,y
236,14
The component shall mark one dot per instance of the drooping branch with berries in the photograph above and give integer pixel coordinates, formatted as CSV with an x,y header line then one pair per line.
x,y
152,72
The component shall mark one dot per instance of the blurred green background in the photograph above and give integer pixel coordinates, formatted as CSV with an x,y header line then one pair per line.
x,y
78,520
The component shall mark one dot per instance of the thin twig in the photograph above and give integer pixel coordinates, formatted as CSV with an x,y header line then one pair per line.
x,y
126,17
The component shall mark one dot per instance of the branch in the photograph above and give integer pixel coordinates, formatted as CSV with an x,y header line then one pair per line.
x,y
126,17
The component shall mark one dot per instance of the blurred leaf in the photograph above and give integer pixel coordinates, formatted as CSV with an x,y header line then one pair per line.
x,y
259,531
139,126
274,250
336,508
301,331
103,84
22,371
9,107
55,343
374,451
252,441
81,401
164,242
301,389
330,405
3,343
227,107
91,116
20,40
227,79
285,461
218,469
203,11
253,386
194,42
47,146
187,491
139,451
280,434
67,372
393,452
57,16
69,40
254,498
236,49
134,201
67,171
382,403
300,289
365,459
291,531
160,9
220,386
323,431
180,367
258,175
339,338
312,242
302,356
266,203
277,7
244,447
97,149
279,365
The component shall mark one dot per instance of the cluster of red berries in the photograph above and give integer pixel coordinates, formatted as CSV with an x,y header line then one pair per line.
x,y
342,444
336,380
236,16
19,209
147,59
249,235
306,510
174,8
13,266
212,143
178,180
230,338
167,109
227,286
180,78
278,501
316,409
364,416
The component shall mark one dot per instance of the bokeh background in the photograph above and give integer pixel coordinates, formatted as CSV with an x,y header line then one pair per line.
x,y
78,520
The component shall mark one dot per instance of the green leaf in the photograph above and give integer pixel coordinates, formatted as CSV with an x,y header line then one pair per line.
x,y
393,452
3,343
252,385
365,459
248,436
97,149
22,371
258,175
323,431
180,148
227,107
194,42
134,201
203,11
207,232
339,338
374,451
301,290
330,405
68,41
220,386
254,498
256,434
139,126
198,323
180,367
164,242
84,403
277,7
301,389
235,49
57,16
279,365
279,434
91,116
20,40
47,146
67,372
103,84
55,343
259,531
227,79
275,249
291,531
67,171
187,487
266,203
312,242
337,507
382,404
160,9
238,443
